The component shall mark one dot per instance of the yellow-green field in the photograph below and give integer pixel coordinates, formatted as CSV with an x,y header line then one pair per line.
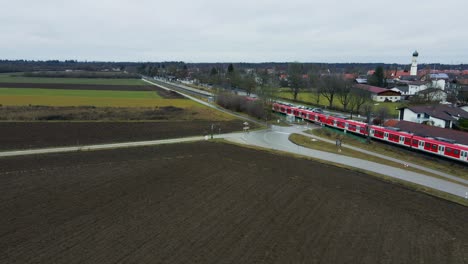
x,y
97,81
51,97
135,99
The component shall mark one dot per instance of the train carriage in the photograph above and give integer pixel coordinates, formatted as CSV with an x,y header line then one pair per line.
x,y
434,146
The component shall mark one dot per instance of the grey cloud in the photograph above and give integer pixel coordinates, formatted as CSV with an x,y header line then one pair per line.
x,y
211,30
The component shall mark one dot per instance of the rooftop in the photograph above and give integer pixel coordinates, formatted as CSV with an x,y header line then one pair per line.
x,y
444,112
430,131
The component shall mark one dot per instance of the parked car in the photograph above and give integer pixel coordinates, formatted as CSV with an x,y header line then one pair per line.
x,y
317,110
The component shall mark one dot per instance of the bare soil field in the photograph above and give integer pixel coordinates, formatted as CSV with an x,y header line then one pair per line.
x,y
72,86
104,87
28,135
215,203
91,113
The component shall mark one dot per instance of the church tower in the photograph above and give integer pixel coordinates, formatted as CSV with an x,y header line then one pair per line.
x,y
414,64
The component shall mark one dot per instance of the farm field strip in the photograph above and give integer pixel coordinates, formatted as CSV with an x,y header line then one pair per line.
x,y
97,81
34,135
12,100
77,93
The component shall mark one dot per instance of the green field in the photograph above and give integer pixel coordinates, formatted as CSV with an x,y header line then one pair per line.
x,y
311,99
56,97
103,81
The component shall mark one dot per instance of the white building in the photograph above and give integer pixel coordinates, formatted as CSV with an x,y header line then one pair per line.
x,y
379,94
410,88
433,95
436,115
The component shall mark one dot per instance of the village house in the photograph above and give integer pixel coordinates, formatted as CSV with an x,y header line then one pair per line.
x,y
436,115
409,88
379,94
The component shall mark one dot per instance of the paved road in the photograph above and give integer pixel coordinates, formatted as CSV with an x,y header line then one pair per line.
x,y
211,105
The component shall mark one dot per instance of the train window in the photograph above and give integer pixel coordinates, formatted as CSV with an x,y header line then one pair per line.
x,y
407,140
427,145
415,142
448,150
434,146
456,151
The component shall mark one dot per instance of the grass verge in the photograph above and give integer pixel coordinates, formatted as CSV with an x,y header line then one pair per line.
x,y
432,162
307,142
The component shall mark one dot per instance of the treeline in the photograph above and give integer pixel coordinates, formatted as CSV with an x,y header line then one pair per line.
x,y
83,74
237,103
7,66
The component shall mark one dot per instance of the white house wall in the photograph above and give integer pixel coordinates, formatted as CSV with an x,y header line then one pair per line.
x,y
439,84
413,117
377,98
414,89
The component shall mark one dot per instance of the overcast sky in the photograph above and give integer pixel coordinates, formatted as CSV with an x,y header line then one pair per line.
x,y
235,31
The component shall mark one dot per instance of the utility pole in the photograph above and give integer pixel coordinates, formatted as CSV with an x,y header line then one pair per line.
x,y
212,128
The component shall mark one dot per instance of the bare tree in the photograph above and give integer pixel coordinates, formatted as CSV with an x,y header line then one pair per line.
x,y
313,83
295,80
382,115
358,98
344,92
329,86
249,83
368,108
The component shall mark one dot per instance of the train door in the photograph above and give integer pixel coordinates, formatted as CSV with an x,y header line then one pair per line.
x,y
402,140
386,135
464,155
372,132
441,150
421,144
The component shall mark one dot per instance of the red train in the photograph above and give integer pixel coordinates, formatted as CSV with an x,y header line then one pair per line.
x,y
437,146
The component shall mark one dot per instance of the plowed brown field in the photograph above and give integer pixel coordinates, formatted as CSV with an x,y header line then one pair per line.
x,y
71,86
27,135
215,203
